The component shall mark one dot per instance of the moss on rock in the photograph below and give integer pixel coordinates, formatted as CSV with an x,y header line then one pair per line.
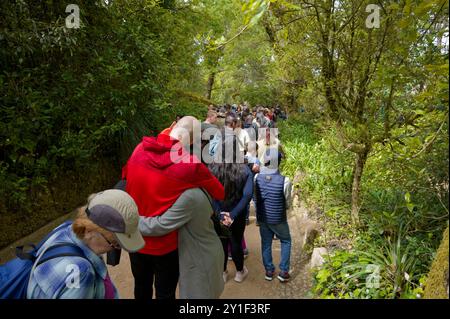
x,y
436,286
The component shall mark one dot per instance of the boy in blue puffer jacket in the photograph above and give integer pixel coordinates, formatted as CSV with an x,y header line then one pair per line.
x,y
272,198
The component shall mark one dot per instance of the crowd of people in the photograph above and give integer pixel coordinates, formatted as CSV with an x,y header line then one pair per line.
x,y
260,115
181,215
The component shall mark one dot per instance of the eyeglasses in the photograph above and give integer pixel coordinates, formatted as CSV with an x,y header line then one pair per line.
x,y
114,245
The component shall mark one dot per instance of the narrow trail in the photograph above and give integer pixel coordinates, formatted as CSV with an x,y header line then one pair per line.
x,y
255,286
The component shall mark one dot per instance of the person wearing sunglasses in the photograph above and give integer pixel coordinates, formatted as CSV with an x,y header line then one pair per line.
x,y
109,221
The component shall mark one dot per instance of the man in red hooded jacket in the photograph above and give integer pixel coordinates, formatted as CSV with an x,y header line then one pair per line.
x,y
157,173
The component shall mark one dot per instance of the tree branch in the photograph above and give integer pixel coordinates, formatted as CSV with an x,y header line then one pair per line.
x,y
428,144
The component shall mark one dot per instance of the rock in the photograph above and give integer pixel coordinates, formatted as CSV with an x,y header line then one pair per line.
x,y
310,232
317,258
295,201
295,192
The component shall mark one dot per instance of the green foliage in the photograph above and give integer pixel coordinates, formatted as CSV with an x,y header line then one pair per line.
x,y
75,102
402,220
326,171
377,268
72,97
380,91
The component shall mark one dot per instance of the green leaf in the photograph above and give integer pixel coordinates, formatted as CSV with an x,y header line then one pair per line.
x,y
408,197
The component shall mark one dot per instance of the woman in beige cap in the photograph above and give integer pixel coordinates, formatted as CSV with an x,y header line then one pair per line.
x,y
109,221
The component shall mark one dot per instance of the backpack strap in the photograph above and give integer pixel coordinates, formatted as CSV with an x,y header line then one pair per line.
x,y
32,254
61,250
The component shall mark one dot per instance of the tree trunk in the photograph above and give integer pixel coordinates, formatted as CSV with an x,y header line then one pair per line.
x,y
210,85
358,169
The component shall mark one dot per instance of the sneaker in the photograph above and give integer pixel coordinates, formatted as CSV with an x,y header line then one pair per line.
x,y
245,253
269,275
241,275
283,276
225,276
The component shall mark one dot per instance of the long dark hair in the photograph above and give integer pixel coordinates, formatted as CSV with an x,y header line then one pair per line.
x,y
229,169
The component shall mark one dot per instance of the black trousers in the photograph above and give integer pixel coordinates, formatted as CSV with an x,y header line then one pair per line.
x,y
237,253
161,270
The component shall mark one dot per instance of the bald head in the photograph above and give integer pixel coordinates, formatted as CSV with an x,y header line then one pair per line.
x,y
185,128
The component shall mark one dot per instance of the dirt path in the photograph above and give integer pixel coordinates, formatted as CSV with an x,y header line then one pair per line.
x,y
255,286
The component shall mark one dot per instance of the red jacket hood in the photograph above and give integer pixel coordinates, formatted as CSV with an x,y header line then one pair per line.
x,y
163,151
155,183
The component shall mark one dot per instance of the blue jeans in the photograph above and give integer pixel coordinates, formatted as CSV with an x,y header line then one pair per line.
x,y
282,232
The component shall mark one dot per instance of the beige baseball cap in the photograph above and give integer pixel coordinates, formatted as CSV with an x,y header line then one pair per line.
x,y
116,211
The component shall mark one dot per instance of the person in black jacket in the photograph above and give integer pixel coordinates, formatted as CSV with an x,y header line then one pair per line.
x,y
229,168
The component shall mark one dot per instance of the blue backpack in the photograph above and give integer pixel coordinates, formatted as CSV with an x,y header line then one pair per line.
x,y
15,274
